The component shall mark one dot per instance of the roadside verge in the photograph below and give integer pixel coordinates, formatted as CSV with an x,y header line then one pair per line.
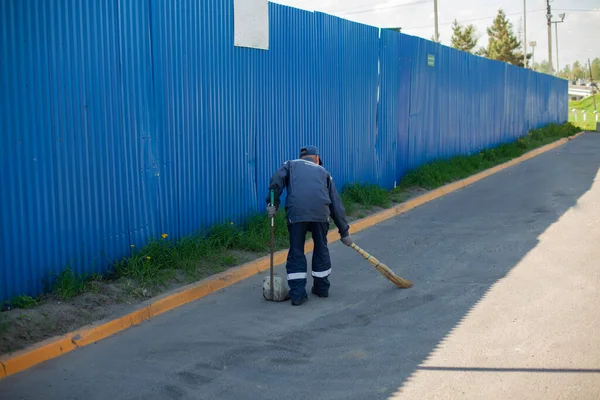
x,y
54,347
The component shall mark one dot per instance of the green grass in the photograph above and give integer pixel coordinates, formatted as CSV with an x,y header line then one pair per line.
x,y
24,317
367,196
441,172
202,253
586,104
69,284
207,252
24,302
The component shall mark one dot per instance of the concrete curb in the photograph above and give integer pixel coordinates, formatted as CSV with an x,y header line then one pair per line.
x,y
57,346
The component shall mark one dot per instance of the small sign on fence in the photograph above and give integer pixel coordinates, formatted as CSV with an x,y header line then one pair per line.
x,y
431,60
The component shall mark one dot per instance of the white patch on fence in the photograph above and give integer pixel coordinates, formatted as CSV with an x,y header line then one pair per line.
x,y
251,23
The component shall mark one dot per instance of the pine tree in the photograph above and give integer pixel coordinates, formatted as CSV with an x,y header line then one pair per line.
x,y
503,45
463,38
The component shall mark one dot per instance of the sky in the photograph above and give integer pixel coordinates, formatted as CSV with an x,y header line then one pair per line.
x,y
578,35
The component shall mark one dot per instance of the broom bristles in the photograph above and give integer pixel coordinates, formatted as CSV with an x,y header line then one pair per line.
x,y
384,269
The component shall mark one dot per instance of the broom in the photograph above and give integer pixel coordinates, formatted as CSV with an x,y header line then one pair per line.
x,y
383,269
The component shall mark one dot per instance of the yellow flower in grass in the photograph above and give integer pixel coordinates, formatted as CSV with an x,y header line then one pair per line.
x,y
164,236
147,257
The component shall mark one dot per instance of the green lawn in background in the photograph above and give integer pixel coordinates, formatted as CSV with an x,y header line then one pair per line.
x,y
586,104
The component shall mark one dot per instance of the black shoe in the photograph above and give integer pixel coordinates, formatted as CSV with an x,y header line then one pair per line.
x,y
314,291
300,301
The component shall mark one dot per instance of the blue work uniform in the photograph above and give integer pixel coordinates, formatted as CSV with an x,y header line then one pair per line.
x,y
312,198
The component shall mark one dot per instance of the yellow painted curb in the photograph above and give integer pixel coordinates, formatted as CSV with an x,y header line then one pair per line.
x,y
57,346
37,354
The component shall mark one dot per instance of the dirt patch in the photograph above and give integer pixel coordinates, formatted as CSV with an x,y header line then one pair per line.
x,y
21,327
104,299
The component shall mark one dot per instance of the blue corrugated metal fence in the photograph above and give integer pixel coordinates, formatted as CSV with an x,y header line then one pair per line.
x,y
123,120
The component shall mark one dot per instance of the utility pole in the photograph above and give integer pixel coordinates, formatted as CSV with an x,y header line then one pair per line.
x,y
525,33
435,13
562,19
592,84
556,36
549,18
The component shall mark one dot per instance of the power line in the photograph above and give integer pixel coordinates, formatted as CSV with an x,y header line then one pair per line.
x,y
575,10
472,20
363,11
358,8
494,16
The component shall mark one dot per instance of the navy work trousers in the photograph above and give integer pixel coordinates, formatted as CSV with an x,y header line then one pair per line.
x,y
296,260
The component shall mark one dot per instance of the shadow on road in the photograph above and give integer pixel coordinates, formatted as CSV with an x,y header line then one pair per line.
x,y
367,338
534,370
488,230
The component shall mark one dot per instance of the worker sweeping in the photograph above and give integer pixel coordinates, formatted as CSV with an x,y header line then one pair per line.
x,y
312,199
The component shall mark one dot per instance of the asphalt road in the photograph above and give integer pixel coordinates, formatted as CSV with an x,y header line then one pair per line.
x,y
506,305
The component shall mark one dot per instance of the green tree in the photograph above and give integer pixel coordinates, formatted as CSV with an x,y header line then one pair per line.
x,y
579,72
596,69
463,38
566,72
503,45
543,67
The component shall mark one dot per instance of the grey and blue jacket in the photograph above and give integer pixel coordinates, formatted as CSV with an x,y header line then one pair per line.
x,y
311,194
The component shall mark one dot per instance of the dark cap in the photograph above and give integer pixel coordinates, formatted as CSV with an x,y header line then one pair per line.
x,y
310,151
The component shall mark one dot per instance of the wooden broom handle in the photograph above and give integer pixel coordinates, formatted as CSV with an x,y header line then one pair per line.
x,y
362,252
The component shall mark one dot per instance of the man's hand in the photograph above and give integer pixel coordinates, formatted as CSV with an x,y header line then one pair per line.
x,y
347,240
271,211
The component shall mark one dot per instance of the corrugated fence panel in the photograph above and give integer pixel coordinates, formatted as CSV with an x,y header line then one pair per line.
x,y
65,199
287,109
545,100
514,103
124,120
318,86
358,74
139,141
166,150
201,90
26,145
394,106
424,104
464,103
